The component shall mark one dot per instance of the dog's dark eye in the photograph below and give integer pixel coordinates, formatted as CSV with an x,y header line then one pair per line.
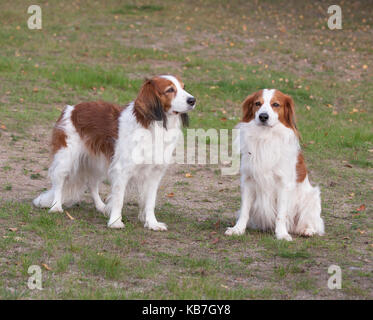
x,y
275,105
258,104
169,90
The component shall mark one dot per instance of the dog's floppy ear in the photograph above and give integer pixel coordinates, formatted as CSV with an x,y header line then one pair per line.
x,y
184,119
148,106
289,114
248,108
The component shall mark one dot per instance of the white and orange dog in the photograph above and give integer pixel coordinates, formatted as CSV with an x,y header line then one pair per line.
x,y
275,191
95,140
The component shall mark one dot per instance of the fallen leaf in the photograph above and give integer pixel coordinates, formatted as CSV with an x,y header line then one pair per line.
x,y
361,208
13,229
46,266
68,214
170,195
360,231
188,175
347,165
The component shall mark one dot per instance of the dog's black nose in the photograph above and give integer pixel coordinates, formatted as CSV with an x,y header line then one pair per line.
x,y
191,101
263,117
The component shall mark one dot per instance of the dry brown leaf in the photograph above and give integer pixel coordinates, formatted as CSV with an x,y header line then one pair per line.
x,y
188,175
46,267
361,208
68,214
13,229
170,195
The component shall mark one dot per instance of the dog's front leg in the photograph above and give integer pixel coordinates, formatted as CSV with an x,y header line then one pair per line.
x,y
284,193
246,200
116,198
150,189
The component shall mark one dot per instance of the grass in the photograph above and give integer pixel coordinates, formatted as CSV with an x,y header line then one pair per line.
x,y
104,52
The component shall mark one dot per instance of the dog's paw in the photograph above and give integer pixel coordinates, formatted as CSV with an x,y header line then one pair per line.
x,y
156,226
36,202
102,208
142,217
118,224
234,231
284,236
308,232
56,208
106,211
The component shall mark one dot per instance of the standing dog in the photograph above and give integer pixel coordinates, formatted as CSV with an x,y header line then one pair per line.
x,y
275,191
95,140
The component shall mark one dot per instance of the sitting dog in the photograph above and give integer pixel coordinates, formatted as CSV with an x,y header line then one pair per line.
x,y
275,191
95,140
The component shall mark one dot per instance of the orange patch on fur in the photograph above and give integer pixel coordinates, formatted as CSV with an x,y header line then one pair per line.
x,y
248,106
97,125
58,136
153,101
286,110
301,168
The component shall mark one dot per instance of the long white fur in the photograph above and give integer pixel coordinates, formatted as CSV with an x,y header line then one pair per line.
x,y
74,168
271,199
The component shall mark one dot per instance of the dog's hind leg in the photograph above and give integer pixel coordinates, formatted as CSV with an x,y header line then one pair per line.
x,y
60,169
310,221
93,186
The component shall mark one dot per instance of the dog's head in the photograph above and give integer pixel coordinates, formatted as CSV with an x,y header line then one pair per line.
x,y
269,107
160,97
